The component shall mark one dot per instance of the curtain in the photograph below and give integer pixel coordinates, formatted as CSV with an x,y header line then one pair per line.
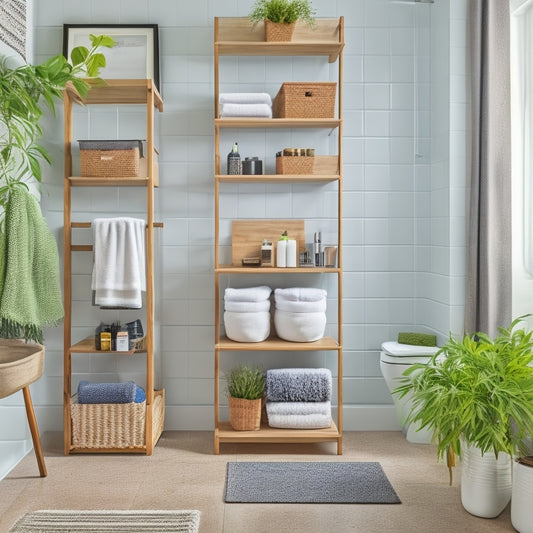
x,y
488,262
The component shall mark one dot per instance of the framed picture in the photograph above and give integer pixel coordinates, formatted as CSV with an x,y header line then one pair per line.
x,y
134,56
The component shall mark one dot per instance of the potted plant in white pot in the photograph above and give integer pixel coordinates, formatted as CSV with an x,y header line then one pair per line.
x,y
246,388
475,396
522,494
280,17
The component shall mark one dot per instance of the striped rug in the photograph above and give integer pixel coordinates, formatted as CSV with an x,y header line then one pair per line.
x,y
56,521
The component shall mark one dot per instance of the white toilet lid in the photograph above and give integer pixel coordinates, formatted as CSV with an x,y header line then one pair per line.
x,y
406,361
407,350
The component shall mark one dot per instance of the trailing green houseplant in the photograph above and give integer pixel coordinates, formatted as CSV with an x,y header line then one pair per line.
x,y
26,91
475,391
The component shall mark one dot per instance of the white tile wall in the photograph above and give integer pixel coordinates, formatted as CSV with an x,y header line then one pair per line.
x,y
403,194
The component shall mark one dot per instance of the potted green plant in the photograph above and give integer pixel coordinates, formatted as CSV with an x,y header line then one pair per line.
x,y
475,396
245,388
27,90
280,17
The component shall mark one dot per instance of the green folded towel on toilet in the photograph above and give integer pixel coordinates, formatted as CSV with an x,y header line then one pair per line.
x,y
417,339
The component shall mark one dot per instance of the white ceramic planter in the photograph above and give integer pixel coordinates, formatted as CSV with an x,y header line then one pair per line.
x,y
486,483
521,508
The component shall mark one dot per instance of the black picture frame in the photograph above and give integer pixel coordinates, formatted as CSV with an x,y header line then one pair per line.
x,y
123,60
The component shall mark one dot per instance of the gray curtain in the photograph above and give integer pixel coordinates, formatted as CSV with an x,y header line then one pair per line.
x,y
488,274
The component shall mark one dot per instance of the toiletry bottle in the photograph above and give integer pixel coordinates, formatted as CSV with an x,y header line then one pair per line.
x,y
234,160
281,251
266,254
123,343
292,253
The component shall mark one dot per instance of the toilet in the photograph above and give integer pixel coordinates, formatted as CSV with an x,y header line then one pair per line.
x,y
395,358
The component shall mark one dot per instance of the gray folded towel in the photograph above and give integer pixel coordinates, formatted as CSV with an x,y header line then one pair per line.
x,y
127,392
298,385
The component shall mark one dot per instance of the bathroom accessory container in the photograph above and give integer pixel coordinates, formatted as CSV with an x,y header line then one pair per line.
x,y
305,100
113,158
300,164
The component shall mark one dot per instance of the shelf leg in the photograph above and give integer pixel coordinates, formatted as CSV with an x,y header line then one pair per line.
x,y
34,431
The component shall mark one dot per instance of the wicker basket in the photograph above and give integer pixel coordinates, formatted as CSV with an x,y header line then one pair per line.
x,y
244,415
110,159
278,31
305,100
115,426
294,164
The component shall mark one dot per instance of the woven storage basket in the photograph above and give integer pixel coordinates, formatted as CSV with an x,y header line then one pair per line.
x,y
294,164
305,100
278,31
244,415
108,425
110,159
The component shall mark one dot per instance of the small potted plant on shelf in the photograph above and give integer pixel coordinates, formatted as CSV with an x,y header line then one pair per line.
x,y
280,17
246,388
475,395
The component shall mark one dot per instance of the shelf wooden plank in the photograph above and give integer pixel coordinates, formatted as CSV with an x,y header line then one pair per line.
x,y
87,346
79,181
276,178
225,433
277,344
231,269
318,48
120,91
267,123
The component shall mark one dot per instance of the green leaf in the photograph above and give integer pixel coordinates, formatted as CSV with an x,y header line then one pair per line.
x,y
78,55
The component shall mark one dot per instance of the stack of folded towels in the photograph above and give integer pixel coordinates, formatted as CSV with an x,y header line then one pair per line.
x,y
127,392
247,313
300,314
298,398
257,105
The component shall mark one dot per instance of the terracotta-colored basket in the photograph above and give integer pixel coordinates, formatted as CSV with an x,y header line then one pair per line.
x,y
278,31
244,415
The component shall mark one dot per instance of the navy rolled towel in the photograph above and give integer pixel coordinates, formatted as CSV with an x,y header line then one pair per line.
x,y
298,385
127,392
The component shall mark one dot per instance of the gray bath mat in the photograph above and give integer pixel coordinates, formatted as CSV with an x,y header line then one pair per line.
x,y
308,482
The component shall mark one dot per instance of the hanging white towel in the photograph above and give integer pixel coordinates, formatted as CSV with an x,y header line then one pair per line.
x,y
119,271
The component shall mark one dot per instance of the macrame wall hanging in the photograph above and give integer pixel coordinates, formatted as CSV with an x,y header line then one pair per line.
x,y
13,24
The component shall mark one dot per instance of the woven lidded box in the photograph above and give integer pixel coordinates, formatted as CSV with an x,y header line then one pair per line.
x,y
294,164
297,99
110,158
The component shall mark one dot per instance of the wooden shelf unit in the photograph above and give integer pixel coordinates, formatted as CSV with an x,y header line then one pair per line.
x,y
236,37
114,92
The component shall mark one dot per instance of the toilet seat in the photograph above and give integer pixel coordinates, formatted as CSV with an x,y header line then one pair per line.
x,y
396,349
406,361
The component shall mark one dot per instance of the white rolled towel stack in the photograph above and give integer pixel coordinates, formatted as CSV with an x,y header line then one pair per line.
x,y
300,313
247,313
258,105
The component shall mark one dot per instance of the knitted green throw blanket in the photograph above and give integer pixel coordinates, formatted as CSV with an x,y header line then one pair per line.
x,y
30,293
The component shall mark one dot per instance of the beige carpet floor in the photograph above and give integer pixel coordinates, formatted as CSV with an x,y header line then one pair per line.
x,y
183,473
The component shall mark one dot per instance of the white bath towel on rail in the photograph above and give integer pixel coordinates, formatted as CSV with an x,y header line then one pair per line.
x,y
119,270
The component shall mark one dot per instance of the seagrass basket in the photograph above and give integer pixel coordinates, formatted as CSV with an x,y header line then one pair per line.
x,y
278,31
110,159
244,415
305,100
294,164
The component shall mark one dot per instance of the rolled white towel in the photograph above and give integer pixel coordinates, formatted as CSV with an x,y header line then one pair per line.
x,y
302,307
312,421
247,294
299,327
246,110
247,327
245,98
300,294
298,408
247,307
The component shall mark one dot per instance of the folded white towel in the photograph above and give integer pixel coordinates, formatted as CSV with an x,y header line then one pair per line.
x,y
312,421
247,307
299,327
245,98
302,307
247,327
300,294
298,408
119,274
247,294
246,110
